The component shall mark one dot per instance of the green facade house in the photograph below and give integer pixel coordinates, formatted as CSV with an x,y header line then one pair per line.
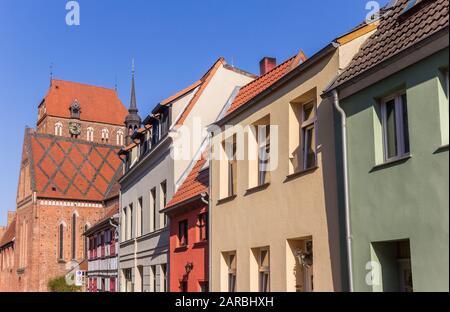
x,y
392,111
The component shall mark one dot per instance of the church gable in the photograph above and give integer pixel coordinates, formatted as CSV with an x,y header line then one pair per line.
x,y
26,179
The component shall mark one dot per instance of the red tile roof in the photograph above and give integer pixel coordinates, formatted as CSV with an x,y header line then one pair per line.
x,y
97,104
9,234
196,183
398,31
63,168
252,89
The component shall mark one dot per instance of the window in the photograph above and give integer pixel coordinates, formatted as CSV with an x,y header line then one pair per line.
x,y
105,135
119,137
232,167
112,285
90,134
86,243
58,128
140,270
61,242
308,136
163,194
182,233
394,114
131,229
153,208
140,217
128,285
232,266
263,135
204,287
75,110
203,227
264,270
74,236
395,273
124,223
164,277
153,277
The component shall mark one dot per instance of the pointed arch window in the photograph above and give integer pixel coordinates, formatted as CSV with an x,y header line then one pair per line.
x,y
58,128
74,236
86,243
105,135
61,242
119,138
90,134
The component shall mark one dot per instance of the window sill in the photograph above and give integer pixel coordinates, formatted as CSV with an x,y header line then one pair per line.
x,y
181,248
61,261
391,163
21,271
441,149
200,244
301,173
258,188
226,199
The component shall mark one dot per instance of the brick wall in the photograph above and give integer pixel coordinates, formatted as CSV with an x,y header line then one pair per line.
x,y
47,125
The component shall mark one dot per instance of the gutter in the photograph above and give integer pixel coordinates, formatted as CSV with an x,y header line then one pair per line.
x,y
346,192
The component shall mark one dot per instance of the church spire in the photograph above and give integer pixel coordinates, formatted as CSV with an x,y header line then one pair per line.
x,y
133,120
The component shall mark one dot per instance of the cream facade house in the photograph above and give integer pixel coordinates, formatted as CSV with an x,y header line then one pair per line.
x,y
152,175
275,222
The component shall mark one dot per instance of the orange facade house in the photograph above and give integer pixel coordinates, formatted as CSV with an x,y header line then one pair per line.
x,y
188,215
68,172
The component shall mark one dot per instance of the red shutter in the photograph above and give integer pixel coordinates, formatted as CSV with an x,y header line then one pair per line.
x,y
112,284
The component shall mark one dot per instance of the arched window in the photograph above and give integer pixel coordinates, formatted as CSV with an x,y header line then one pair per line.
x,y
58,128
119,137
61,242
74,236
86,243
90,134
105,135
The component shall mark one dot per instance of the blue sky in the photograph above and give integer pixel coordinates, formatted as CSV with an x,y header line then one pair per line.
x,y
173,42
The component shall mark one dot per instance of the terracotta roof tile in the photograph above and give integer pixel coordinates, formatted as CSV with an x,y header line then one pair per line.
x,y
92,100
9,234
196,183
397,31
252,89
64,168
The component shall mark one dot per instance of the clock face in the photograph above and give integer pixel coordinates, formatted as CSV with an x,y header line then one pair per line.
x,y
75,128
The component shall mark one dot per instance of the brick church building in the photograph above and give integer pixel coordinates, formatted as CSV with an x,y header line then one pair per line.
x,y
68,174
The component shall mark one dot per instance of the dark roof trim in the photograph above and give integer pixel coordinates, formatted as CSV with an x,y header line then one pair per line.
x,y
290,75
408,55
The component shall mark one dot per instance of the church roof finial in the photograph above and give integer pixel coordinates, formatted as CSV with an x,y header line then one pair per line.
x,y
133,105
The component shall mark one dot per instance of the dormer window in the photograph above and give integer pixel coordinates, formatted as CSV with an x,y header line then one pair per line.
x,y
75,110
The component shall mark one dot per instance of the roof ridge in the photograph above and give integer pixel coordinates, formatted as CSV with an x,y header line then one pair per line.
x,y
84,84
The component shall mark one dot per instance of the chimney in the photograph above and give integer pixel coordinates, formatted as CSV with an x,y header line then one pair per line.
x,y
11,215
267,64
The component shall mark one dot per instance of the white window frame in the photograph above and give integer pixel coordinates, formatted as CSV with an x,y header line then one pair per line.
x,y
90,134
119,137
58,128
306,125
399,126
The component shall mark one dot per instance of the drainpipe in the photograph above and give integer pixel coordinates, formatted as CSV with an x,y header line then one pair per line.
x,y
346,193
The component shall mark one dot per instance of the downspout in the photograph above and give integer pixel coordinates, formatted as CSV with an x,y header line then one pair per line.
x,y
210,134
346,192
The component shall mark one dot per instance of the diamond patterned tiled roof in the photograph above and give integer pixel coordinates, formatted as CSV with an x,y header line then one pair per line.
x,y
398,30
64,168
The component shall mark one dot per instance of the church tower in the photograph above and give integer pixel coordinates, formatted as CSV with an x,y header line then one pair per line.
x,y
132,121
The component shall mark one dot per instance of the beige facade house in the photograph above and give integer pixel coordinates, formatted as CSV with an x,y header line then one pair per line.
x,y
275,221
